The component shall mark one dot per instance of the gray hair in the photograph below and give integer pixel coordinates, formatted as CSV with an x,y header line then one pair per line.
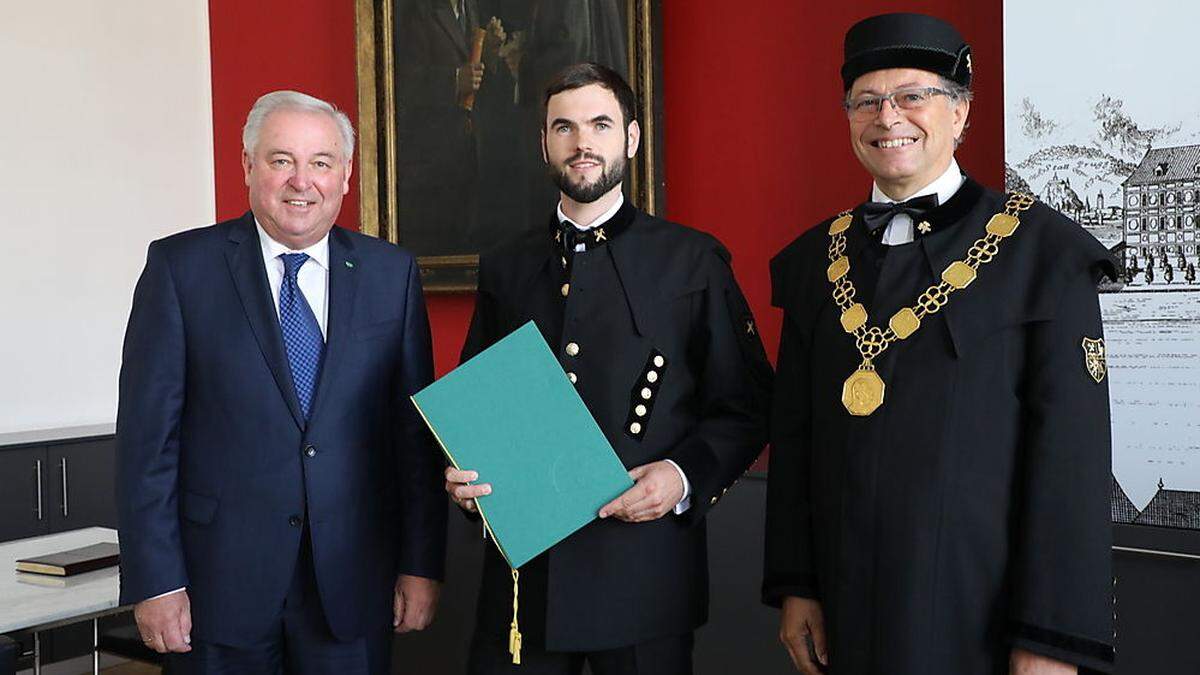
x,y
294,100
957,92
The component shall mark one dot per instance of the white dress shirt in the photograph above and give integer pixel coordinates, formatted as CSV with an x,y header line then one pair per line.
x,y
685,502
313,276
313,280
900,230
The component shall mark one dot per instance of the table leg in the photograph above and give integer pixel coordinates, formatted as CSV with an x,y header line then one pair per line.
x,y
37,653
96,646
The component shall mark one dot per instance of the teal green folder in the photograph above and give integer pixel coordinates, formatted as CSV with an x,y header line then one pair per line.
x,y
511,415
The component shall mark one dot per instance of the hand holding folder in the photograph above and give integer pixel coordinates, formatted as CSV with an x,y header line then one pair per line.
x,y
511,414
657,489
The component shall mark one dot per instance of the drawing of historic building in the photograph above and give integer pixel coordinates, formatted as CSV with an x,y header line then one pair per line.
x,y
1061,196
1123,510
1170,508
1162,203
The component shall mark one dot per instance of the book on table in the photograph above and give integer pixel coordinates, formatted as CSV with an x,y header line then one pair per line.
x,y
74,561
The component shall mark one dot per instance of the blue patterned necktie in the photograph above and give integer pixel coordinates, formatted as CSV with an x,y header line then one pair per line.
x,y
301,333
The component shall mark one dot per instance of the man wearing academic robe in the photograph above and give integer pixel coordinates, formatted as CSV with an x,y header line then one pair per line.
x,y
940,452
651,328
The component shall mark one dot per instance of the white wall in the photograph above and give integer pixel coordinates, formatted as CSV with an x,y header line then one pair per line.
x,y
106,130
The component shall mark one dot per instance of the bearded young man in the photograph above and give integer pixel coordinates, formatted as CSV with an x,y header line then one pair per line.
x,y
650,326
940,465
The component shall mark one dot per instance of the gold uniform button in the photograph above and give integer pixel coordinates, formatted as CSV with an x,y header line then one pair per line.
x,y
640,410
635,428
652,377
713,500
566,288
572,349
572,377
646,393
659,362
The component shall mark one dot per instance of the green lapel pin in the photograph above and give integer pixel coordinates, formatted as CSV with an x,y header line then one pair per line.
x,y
349,264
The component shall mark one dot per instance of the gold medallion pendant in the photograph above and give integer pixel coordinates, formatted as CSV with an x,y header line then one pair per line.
x,y
862,392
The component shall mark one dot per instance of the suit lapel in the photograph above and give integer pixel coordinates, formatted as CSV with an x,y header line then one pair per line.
x,y
244,256
471,7
343,287
445,18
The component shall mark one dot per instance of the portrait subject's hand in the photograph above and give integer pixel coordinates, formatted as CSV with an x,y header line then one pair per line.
x,y
1027,663
414,603
459,487
165,623
470,76
512,50
494,38
657,488
800,623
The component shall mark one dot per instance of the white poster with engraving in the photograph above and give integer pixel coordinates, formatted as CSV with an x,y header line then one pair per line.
x,y
1102,121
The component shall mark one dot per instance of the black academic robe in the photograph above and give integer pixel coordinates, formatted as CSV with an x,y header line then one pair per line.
x,y
654,296
970,513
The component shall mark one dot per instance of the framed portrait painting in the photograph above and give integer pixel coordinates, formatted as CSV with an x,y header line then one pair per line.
x,y
450,95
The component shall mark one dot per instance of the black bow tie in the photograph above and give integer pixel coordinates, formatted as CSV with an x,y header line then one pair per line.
x,y
876,215
568,237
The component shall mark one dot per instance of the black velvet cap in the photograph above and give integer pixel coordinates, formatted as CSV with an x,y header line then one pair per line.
x,y
906,41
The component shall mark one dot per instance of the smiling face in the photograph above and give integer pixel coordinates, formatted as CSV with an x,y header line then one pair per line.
x,y
585,144
297,174
905,150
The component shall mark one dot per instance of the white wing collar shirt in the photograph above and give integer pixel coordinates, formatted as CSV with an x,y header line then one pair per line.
x,y
900,230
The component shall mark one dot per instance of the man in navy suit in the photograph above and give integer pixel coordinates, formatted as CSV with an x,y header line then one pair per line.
x,y
279,497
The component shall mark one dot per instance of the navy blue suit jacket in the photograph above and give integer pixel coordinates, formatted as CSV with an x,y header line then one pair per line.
x,y
215,472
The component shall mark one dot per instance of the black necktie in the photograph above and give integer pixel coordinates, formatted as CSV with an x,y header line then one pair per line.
x,y
570,236
876,215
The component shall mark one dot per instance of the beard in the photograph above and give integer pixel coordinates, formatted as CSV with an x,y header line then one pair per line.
x,y
586,193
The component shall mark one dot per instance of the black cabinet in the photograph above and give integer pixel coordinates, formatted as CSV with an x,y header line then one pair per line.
x,y
55,486
23,505
83,479
51,483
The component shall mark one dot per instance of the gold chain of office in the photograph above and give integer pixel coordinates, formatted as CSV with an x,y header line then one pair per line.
x,y
862,393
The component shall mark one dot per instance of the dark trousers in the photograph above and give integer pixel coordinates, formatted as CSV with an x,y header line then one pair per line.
x,y
664,656
300,642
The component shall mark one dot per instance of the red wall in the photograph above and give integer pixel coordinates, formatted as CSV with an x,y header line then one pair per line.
x,y
266,45
756,142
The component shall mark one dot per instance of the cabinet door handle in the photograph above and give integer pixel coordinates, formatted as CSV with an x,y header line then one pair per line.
x,y
37,464
64,487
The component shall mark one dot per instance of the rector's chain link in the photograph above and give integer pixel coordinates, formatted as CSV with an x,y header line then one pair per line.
x,y
872,340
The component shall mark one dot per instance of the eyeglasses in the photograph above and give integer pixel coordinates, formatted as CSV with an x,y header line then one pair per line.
x,y
915,98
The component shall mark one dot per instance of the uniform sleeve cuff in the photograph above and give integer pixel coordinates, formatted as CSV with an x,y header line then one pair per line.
x,y
1080,651
685,502
773,595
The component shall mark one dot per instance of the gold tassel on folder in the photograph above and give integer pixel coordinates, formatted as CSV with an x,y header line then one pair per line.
x,y
514,632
